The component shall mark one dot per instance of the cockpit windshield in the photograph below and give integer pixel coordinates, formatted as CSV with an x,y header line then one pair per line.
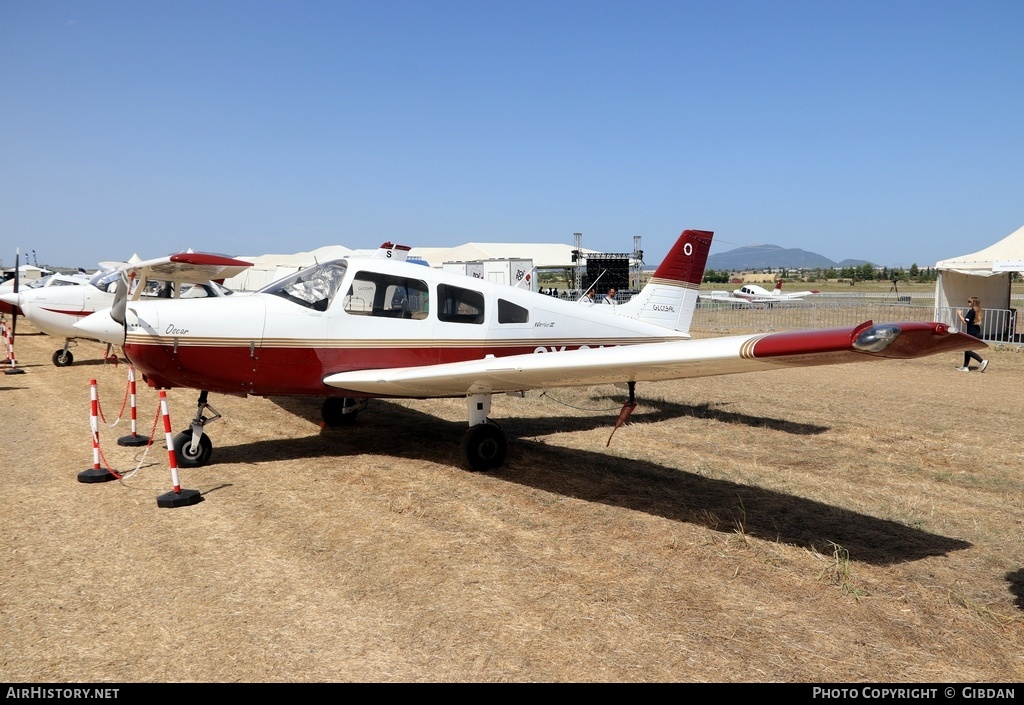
x,y
106,279
37,283
313,288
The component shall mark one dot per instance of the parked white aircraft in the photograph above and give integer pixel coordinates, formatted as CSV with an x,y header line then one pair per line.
x,y
55,307
362,327
754,294
55,279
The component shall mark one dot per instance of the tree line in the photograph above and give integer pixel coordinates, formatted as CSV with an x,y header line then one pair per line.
x,y
864,272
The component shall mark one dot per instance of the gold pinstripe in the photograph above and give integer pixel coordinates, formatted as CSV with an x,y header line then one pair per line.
x,y
672,282
202,341
747,348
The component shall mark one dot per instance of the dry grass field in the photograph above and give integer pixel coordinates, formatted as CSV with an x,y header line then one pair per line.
x,y
862,523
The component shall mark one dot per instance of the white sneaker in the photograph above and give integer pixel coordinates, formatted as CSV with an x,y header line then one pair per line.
x,y
984,364
963,369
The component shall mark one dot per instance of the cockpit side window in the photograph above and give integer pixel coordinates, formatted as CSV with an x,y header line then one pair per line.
x,y
200,291
458,305
388,296
313,288
157,288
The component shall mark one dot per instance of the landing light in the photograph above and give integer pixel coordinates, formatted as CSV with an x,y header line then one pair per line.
x,y
876,338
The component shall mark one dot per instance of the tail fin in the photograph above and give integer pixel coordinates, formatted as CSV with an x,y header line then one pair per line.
x,y
777,291
670,296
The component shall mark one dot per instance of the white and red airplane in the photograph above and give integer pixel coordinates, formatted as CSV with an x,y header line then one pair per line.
x,y
362,327
55,279
61,301
758,295
754,295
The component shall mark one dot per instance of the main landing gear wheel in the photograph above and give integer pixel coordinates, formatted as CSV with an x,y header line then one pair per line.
x,y
63,358
341,411
484,447
189,458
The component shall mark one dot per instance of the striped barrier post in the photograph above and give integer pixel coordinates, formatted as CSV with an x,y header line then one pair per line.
x,y
95,473
134,439
13,369
177,497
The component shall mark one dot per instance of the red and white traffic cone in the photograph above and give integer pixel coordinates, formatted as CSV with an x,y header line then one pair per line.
x,y
177,497
95,473
134,439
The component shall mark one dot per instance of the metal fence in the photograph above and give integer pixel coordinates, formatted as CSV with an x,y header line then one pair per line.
x,y
716,318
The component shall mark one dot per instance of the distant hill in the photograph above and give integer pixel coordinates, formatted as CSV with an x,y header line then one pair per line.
x,y
772,257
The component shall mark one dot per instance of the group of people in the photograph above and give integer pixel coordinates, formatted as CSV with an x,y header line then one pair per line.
x,y
609,298
972,319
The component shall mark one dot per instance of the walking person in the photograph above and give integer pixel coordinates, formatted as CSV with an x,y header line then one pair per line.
x,y
972,320
609,298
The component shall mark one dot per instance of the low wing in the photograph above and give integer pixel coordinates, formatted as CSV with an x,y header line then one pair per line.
x,y
659,361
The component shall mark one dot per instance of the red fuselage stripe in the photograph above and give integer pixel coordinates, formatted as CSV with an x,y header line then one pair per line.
x,y
285,370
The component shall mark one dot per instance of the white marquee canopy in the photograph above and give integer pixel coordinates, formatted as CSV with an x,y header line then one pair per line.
x,y
985,274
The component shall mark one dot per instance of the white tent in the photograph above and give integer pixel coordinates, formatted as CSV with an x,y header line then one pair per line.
x,y
270,267
985,274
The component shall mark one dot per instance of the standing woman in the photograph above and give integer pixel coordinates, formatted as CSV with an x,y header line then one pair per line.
x,y
972,323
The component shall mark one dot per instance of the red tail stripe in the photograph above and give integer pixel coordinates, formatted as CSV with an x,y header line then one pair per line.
x,y
686,260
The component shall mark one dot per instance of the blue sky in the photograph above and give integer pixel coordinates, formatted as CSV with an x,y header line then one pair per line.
x,y
888,131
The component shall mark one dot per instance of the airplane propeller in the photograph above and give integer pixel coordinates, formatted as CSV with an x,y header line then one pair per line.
x,y
120,305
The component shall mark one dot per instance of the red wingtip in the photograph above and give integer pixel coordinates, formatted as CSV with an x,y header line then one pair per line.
x,y
207,259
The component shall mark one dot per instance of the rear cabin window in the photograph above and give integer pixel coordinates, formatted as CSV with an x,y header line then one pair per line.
x,y
509,312
458,305
375,294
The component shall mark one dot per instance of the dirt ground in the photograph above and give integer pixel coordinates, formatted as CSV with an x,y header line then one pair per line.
x,y
861,523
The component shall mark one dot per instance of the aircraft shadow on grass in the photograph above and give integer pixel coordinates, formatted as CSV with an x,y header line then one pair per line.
x,y
1016,580
639,485
713,412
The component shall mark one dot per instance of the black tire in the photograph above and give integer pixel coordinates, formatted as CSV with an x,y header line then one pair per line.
x,y
484,447
333,411
63,358
183,450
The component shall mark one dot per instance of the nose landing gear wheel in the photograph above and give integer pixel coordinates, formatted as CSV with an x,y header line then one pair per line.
x,y
484,447
63,358
188,458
